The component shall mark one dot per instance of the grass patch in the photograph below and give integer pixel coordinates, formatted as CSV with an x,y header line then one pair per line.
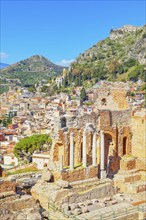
x,y
79,165
25,170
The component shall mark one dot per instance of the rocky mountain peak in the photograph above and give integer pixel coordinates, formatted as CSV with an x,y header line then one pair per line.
x,y
116,33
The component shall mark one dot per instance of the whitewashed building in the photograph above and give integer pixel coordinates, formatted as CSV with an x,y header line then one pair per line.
x,y
40,159
10,159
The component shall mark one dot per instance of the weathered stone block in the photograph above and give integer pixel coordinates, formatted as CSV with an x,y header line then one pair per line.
x,y
63,184
7,186
46,174
128,164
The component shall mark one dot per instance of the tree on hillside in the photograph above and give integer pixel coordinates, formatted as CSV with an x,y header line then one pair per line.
x,y
78,80
113,67
83,95
65,81
69,77
26,146
7,120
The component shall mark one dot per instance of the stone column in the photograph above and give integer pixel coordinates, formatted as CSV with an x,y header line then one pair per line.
x,y
84,149
102,156
94,152
61,162
71,162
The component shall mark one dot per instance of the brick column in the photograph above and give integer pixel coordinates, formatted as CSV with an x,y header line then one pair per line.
x,y
71,162
94,149
102,156
84,149
61,162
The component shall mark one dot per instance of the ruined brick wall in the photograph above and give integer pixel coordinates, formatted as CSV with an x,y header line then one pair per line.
x,y
117,124
113,99
128,164
117,130
55,153
138,125
64,142
119,97
75,121
77,174
120,118
62,147
105,119
114,118
93,118
124,140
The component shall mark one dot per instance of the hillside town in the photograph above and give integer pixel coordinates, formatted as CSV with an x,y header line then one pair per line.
x,y
95,166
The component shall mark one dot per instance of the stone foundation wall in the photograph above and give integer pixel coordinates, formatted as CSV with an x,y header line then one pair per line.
x,y
132,216
97,192
19,204
78,174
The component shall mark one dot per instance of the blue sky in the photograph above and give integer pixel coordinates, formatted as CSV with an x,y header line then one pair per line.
x,y
61,30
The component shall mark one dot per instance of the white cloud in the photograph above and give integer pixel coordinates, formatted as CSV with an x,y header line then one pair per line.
x,y
3,55
65,62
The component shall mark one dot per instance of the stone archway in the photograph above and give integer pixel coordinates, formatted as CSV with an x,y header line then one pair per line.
x,y
90,129
107,143
81,152
112,161
124,146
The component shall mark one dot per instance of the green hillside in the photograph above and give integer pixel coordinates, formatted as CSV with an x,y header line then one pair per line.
x,y
121,56
31,71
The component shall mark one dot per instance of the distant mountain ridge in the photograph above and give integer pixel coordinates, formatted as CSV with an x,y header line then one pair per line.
x,y
34,63
31,71
3,65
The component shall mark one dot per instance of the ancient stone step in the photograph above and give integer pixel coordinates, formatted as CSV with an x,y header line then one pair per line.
x,y
112,212
143,175
126,178
127,172
135,187
54,215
